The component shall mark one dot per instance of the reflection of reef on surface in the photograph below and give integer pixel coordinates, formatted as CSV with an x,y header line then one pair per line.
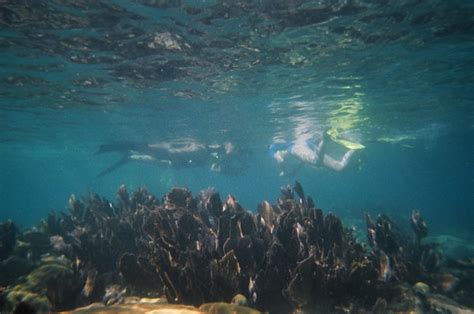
x,y
210,254
125,43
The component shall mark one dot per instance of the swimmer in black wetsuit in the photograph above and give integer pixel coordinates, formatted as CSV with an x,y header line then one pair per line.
x,y
177,154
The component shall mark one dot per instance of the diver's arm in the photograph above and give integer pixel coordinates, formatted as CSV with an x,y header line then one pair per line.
x,y
303,151
284,167
338,165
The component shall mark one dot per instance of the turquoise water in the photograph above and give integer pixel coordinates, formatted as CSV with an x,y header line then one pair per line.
x,y
396,76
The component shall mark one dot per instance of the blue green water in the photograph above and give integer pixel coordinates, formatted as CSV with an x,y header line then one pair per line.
x,y
398,74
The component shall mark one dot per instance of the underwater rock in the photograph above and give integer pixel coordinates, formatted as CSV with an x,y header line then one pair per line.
x,y
226,308
20,301
157,305
138,308
239,299
137,305
53,282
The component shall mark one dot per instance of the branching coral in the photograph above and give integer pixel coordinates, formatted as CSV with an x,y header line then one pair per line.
x,y
196,250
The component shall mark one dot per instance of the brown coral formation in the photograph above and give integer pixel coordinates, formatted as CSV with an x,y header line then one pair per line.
x,y
200,250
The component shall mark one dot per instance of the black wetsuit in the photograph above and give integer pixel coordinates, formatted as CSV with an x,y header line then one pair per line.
x,y
175,155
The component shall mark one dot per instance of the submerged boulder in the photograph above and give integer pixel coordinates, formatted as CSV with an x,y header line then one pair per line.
x,y
52,285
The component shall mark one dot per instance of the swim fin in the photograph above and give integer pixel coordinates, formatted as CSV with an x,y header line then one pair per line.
x,y
122,146
335,137
115,166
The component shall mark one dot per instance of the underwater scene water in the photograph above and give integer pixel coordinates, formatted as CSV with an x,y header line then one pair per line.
x,y
114,115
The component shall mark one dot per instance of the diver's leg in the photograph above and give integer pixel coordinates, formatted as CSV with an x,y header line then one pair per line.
x,y
338,165
302,151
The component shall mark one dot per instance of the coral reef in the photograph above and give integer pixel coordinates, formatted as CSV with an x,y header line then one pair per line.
x,y
218,257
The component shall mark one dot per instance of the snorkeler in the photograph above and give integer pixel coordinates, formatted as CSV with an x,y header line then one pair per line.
x,y
306,151
176,154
